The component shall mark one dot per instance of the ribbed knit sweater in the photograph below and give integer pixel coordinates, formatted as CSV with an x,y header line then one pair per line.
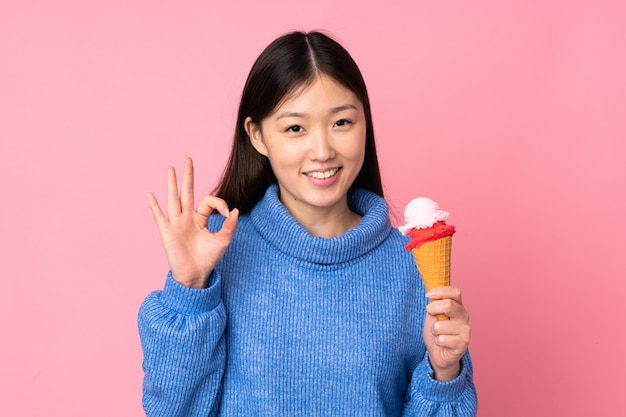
x,y
296,325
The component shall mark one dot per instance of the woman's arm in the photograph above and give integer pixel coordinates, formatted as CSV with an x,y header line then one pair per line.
x,y
182,336
442,384
182,327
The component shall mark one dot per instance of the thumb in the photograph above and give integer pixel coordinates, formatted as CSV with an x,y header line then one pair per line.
x,y
230,225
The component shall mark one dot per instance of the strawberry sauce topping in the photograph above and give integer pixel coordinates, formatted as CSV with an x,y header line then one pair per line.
x,y
437,231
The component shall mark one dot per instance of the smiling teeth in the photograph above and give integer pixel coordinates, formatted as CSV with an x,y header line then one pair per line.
x,y
323,175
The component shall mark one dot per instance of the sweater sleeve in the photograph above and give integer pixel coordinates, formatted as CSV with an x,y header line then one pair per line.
x,y
182,337
429,397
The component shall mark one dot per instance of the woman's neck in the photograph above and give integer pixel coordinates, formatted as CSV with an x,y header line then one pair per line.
x,y
326,222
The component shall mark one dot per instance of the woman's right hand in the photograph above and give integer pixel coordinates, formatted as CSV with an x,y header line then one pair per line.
x,y
192,250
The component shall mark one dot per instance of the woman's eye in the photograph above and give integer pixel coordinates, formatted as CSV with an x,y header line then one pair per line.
x,y
342,122
294,129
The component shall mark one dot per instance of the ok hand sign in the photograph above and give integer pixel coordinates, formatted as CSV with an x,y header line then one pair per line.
x,y
192,250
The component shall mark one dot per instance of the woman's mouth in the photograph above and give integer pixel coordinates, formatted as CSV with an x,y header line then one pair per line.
x,y
322,175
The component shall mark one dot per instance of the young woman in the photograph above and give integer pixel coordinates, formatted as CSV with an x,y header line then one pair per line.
x,y
298,298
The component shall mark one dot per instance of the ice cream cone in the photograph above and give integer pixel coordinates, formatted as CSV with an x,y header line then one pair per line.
x,y
433,262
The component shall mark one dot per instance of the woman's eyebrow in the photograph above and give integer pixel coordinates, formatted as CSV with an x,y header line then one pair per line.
x,y
342,108
291,114
334,110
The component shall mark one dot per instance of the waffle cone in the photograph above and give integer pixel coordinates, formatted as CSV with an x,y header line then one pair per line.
x,y
433,262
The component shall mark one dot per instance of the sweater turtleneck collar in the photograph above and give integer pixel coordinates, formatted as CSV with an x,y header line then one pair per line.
x,y
276,225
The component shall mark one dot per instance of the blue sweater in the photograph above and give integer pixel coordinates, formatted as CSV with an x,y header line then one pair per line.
x,y
296,325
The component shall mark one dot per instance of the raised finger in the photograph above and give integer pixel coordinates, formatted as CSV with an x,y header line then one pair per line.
x,y
186,191
157,213
173,201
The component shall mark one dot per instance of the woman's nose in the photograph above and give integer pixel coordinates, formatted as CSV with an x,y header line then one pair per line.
x,y
321,147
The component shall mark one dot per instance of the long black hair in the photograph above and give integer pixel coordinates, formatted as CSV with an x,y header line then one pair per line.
x,y
289,62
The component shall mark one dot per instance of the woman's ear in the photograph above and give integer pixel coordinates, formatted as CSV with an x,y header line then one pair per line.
x,y
255,135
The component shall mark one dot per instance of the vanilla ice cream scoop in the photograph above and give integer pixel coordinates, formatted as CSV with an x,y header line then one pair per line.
x,y
422,213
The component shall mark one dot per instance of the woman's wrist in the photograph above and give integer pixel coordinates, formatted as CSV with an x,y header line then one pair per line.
x,y
447,374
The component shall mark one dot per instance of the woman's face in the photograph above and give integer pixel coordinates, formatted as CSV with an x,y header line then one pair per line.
x,y
315,142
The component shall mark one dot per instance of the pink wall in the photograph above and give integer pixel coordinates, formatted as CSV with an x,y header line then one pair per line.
x,y
510,113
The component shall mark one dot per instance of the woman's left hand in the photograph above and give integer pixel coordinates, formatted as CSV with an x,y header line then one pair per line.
x,y
446,340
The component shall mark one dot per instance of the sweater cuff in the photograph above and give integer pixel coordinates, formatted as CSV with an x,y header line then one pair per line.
x,y
438,391
185,300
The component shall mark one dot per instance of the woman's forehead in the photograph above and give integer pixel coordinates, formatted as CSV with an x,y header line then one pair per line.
x,y
321,93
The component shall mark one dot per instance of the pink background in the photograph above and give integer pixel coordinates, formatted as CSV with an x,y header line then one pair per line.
x,y
509,113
